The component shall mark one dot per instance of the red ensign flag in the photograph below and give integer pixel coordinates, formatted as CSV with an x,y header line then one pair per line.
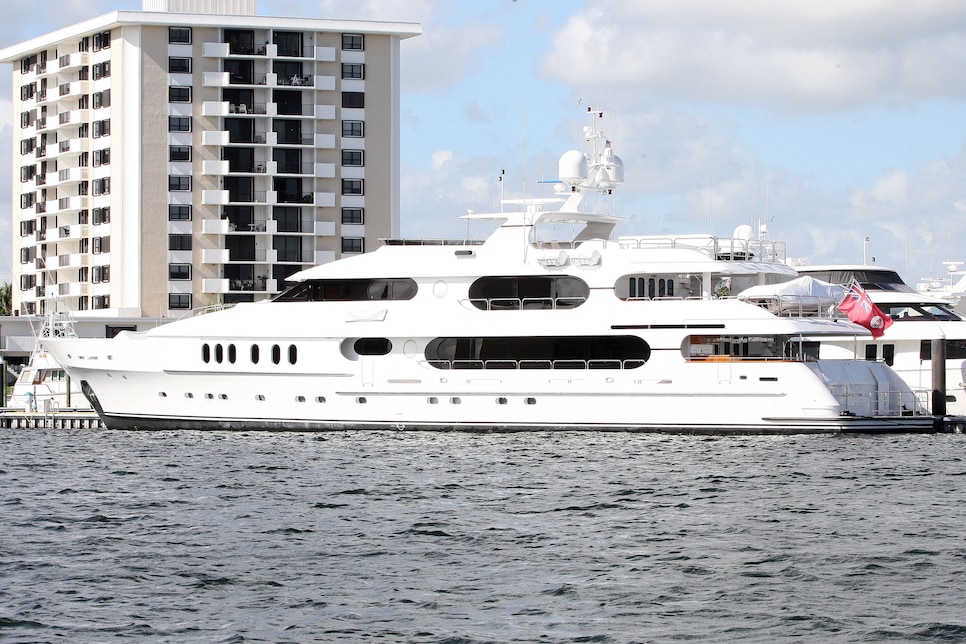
x,y
862,310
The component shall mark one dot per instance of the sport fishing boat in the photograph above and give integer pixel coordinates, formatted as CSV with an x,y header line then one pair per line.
x,y
917,320
550,323
43,385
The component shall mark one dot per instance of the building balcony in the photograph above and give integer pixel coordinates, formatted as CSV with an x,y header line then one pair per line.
x,y
214,137
72,175
73,289
212,285
76,231
215,227
214,197
72,90
71,62
214,256
214,167
325,170
71,118
78,260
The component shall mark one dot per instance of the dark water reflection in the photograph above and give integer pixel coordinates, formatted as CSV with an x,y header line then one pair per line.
x,y
420,537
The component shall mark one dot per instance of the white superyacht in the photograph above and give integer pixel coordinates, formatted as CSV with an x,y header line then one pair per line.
x,y
551,323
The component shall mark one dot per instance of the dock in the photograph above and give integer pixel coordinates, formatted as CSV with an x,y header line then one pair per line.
x,y
18,418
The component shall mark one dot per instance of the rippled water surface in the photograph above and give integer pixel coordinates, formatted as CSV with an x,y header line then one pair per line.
x,y
421,537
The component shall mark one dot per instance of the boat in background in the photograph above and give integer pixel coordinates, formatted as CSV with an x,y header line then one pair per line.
x,y
951,287
550,323
917,320
43,384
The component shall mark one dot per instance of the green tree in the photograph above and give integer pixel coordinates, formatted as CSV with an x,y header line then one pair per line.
x,y
5,300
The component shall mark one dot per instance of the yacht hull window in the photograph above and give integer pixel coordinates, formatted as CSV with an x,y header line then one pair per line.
x,y
505,293
541,352
766,347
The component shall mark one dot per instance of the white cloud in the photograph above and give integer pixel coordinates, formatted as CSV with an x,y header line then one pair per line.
x,y
791,56
441,158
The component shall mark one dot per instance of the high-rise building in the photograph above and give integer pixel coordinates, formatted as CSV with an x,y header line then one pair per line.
x,y
196,153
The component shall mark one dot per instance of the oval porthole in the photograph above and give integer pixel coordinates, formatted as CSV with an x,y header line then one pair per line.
x,y
432,400
254,353
320,399
276,353
361,400
206,353
501,400
293,354
219,354
372,346
531,401
231,354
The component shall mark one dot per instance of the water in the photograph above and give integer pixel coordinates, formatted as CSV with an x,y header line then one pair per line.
x,y
420,537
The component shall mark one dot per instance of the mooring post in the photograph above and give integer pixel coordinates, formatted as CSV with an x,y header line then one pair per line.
x,y
937,353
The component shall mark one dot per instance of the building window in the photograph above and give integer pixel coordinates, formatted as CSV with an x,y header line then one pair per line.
x,y
179,300
179,153
101,215
352,216
179,242
102,157
352,128
102,40
179,94
100,245
352,187
179,124
179,35
101,70
101,99
101,301
353,41
353,245
100,274
179,65
352,157
101,128
353,71
179,271
179,212
353,99
101,186
179,183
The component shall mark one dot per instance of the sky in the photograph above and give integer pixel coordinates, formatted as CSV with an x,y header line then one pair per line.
x,y
829,121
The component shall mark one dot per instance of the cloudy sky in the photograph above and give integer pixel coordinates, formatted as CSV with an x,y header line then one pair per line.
x,y
832,121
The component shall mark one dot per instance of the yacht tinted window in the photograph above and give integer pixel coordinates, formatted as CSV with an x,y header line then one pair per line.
x,y
528,292
350,290
541,352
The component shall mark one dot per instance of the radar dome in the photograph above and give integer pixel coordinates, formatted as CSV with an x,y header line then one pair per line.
x,y
744,231
572,167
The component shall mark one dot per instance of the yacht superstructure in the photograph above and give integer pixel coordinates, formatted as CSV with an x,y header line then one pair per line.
x,y
550,323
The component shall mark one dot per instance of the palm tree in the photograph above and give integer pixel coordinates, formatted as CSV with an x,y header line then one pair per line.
x,y
5,298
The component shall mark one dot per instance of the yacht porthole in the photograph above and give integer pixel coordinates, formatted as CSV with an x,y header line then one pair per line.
x,y
440,289
260,397
320,399
432,400
409,348
123,377
109,376
189,395
455,400
531,401
361,400
300,399
210,396
161,394
223,396
501,400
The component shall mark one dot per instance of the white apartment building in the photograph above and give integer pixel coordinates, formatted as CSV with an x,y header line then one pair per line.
x,y
196,153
